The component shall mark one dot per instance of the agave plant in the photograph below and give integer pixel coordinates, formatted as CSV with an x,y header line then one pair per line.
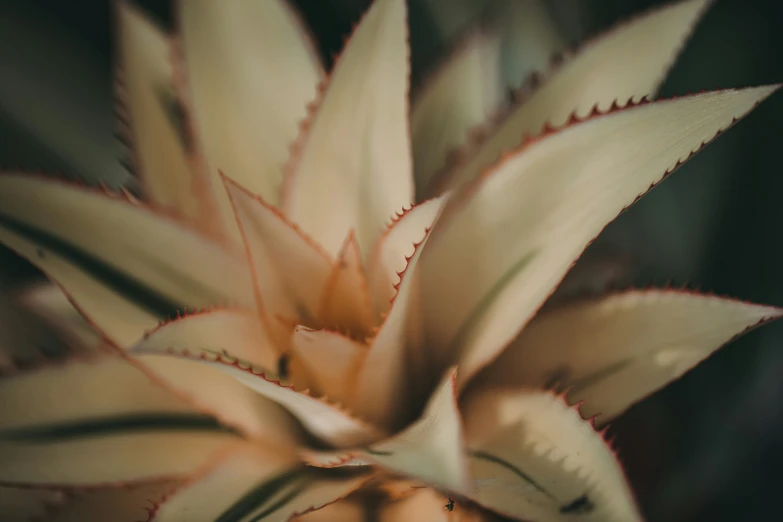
x,y
317,333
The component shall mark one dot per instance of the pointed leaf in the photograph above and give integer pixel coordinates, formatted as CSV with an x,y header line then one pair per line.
x,y
162,143
252,485
110,450
432,448
133,503
250,72
460,95
533,458
97,386
289,269
121,318
613,352
510,237
109,415
345,303
220,394
628,62
323,419
240,328
357,150
140,258
330,360
394,372
390,254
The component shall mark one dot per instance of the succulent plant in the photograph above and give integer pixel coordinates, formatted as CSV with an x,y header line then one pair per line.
x,y
314,311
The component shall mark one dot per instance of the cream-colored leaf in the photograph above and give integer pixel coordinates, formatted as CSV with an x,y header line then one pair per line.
x,y
161,139
354,171
289,269
132,503
322,419
613,352
345,302
432,449
460,95
251,73
112,450
239,328
98,420
91,387
117,316
130,249
532,457
330,360
26,505
252,485
504,242
629,61
394,373
234,403
390,255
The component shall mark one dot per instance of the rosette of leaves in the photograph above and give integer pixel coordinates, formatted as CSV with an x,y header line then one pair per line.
x,y
315,312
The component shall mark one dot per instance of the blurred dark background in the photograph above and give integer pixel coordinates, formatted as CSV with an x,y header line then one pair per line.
x,y
709,447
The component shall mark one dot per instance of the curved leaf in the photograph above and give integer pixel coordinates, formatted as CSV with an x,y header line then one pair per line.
x,y
121,449
394,375
161,141
250,73
503,243
627,63
324,420
612,352
97,386
289,269
390,254
254,486
532,457
331,361
462,93
220,394
110,253
354,168
432,448
345,302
